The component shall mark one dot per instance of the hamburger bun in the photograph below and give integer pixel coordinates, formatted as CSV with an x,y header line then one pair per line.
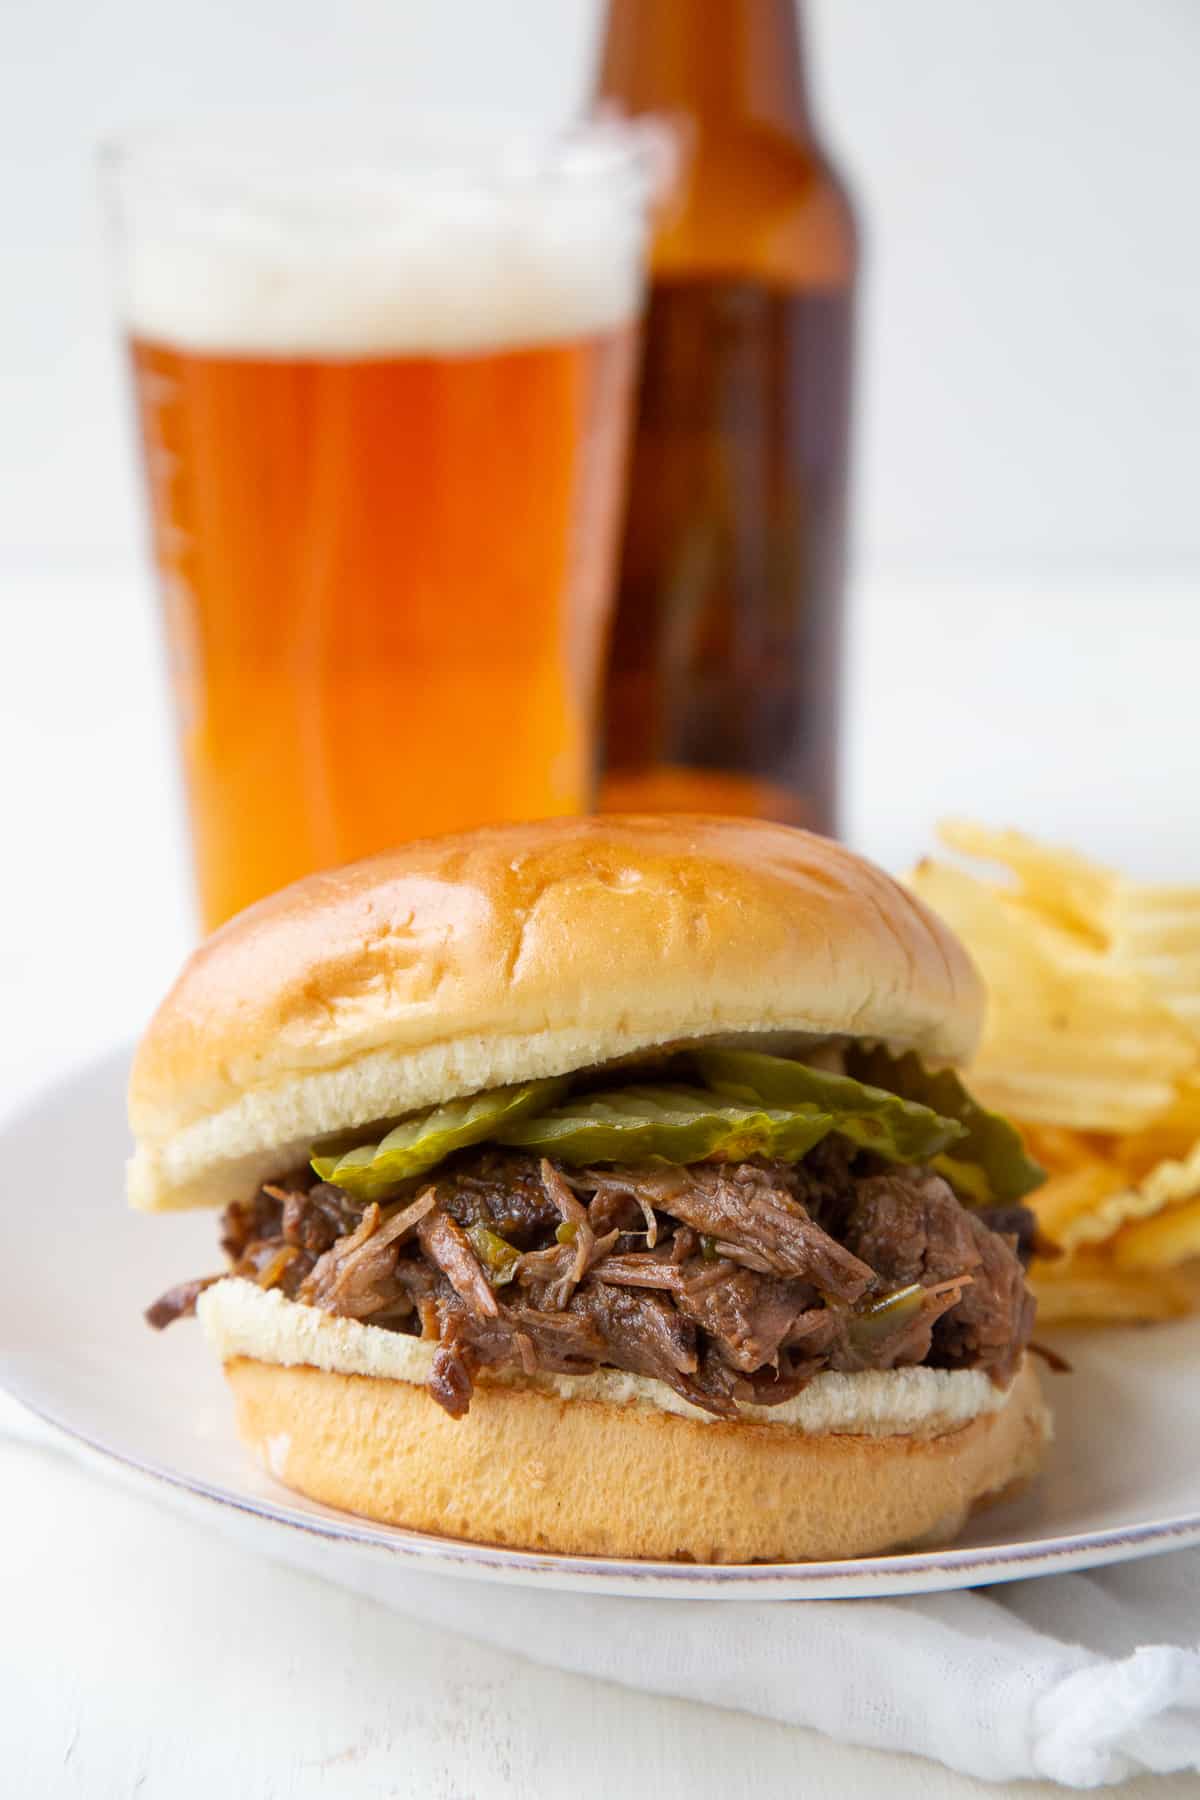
x,y
463,963
613,1464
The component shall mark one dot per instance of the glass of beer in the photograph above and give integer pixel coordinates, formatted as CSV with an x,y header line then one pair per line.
x,y
382,377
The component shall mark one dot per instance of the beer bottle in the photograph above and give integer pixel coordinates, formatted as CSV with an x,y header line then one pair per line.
x,y
722,692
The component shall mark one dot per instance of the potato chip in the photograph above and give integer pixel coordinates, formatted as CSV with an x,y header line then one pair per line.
x,y
1112,1213
1169,1238
1060,1150
1072,1038
1077,893
1168,1138
1089,1197
1169,1233
1089,1206
1065,1203
1089,1291
1156,933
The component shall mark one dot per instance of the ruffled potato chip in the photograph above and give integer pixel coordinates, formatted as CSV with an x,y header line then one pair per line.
x,y
1056,883
1082,1207
1156,933
1059,1150
1072,1038
1168,1138
1169,1231
1162,1242
1089,1199
1087,1290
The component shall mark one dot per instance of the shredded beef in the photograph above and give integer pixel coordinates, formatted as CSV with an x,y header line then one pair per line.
x,y
1019,1225
911,1228
562,1343
246,1222
645,1269
307,1217
991,1324
179,1302
748,1316
448,1248
823,1183
749,1204
733,1283
315,1218
450,1380
551,1276
361,1276
504,1191
642,1331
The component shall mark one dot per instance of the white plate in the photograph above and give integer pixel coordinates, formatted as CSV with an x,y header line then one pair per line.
x,y
76,1270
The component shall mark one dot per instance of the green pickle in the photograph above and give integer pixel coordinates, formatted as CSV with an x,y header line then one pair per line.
x,y
989,1165
416,1145
877,1321
750,1104
498,1256
900,1129
666,1124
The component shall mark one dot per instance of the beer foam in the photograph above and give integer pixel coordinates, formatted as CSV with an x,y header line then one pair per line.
x,y
383,262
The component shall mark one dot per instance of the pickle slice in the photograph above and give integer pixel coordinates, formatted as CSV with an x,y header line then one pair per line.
x,y
880,1318
666,1124
498,1256
988,1165
418,1144
900,1129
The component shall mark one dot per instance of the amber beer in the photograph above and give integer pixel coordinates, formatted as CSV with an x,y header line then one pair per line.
x,y
723,684
384,523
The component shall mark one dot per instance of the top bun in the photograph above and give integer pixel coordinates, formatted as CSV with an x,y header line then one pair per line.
x,y
462,963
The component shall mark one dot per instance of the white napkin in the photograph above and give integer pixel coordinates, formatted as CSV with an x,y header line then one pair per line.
x,y
1080,1679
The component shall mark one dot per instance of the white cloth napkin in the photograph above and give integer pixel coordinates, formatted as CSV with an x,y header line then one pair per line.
x,y
1081,1679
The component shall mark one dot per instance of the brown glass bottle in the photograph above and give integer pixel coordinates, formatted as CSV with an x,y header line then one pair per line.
x,y
722,691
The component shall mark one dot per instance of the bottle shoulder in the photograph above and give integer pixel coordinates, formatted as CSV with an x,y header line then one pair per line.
x,y
753,202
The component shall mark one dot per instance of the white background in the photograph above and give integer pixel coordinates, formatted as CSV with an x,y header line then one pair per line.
x,y
1028,173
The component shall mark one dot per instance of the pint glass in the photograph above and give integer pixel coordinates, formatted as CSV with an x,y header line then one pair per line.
x,y
382,381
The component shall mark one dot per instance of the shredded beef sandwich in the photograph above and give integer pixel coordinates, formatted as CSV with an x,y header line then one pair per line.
x,y
556,1161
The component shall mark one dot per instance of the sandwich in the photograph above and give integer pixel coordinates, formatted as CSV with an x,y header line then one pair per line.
x,y
604,1186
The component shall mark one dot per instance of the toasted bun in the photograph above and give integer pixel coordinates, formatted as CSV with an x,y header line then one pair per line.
x,y
614,1464
462,963
590,1478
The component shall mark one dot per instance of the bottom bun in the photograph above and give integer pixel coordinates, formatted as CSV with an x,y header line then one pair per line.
x,y
535,1471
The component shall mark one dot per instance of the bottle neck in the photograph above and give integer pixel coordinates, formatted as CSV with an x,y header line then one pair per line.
x,y
721,61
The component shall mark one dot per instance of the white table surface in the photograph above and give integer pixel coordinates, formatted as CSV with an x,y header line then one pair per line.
x,y
140,1655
